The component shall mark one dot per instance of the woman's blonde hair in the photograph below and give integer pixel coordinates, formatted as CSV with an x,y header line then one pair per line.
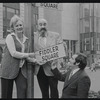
x,y
13,21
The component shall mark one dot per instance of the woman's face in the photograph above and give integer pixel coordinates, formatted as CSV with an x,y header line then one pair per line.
x,y
18,27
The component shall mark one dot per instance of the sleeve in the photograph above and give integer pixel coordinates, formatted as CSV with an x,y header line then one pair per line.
x,y
58,75
58,38
83,87
11,47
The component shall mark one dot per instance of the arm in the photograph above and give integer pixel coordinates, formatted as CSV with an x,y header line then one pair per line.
x,y
83,87
59,39
11,47
57,73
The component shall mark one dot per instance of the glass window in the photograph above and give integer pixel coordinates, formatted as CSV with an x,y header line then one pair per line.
x,y
81,10
86,14
10,13
81,26
87,44
98,44
17,12
71,44
86,29
74,47
7,14
91,24
4,14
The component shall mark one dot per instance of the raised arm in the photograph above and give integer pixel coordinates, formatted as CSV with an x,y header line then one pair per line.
x,y
56,72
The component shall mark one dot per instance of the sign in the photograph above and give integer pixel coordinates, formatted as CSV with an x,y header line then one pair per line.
x,y
51,53
56,6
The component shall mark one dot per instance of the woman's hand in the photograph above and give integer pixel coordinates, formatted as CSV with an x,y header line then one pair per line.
x,y
33,60
31,55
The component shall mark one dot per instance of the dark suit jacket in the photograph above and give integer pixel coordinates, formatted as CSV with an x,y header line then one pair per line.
x,y
77,86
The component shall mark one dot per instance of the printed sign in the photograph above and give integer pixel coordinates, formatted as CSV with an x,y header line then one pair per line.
x,y
56,6
51,53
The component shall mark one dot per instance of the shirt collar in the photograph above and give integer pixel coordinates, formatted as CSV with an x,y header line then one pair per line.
x,y
75,70
24,37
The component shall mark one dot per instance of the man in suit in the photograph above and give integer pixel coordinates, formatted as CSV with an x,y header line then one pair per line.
x,y
76,81
42,39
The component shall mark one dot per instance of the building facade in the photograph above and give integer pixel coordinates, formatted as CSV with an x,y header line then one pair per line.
x,y
89,23
70,27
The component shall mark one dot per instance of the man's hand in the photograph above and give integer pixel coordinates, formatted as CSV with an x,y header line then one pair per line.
x,y
40,62
54,64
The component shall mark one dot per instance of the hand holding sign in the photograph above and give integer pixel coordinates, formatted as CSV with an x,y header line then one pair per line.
x,y
32,55
33,60
40,62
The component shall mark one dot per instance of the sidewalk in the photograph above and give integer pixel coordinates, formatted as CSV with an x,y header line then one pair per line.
x,y
95,84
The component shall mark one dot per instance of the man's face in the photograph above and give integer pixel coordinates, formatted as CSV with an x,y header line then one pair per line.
x,y
72,60
42,26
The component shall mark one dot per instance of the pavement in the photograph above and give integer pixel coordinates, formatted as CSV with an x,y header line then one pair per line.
x,y
95,84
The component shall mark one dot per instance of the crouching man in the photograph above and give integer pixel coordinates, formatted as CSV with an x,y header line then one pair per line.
x,y
76,81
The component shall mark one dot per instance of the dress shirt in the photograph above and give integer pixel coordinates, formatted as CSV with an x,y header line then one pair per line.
x,y
73,72
42,40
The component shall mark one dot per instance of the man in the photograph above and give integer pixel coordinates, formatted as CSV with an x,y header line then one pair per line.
x,y
42,39
77,82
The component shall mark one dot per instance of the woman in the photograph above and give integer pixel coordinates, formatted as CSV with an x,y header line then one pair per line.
x,y
13,65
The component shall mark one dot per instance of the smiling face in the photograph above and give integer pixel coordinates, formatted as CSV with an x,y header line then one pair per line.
x,y
18,27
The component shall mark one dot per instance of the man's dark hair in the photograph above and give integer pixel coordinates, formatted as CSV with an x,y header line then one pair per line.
x,y
82,59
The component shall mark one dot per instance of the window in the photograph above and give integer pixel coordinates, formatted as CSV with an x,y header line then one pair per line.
x,y
87,44
98,44
9,9
74,47
86,14
81,43
86,29
98,24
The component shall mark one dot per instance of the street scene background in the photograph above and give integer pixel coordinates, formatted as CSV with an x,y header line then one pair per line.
x,y
77,23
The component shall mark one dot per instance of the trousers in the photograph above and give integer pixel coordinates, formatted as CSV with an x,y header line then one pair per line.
x,y
45,82
7,86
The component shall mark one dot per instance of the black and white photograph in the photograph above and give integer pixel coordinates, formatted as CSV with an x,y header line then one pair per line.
x,y
49,50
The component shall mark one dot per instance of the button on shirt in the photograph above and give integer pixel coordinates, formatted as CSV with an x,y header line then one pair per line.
x,y
11,47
